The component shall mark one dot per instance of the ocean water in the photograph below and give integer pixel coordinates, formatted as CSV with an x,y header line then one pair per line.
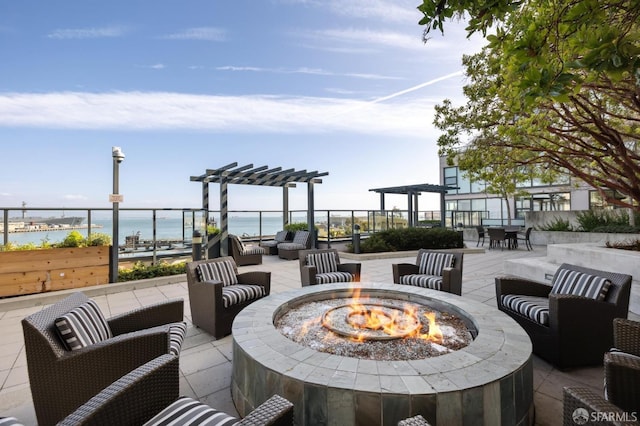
x,y
167,228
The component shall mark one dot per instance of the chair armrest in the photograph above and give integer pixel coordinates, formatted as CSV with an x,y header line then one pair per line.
x,y
626,335
274,411
452,280
308,275
147,317
257,278
581,397
517,285
129,400
400,269
352,268
622,380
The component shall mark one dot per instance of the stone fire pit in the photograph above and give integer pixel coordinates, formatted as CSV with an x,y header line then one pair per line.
x,y
489,381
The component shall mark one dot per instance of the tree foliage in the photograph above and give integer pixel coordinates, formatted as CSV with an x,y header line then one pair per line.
x,y
557,88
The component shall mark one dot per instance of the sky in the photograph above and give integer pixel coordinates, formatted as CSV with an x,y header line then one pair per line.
x,y
343,87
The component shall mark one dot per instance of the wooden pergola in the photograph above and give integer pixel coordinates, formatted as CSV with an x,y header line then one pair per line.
x,y
263,176
412,192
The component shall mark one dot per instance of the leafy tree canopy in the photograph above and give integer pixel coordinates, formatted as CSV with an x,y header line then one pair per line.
x,y
556,88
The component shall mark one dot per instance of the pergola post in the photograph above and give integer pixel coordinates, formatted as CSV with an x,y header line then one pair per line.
x,y
285,206
224,224
310,213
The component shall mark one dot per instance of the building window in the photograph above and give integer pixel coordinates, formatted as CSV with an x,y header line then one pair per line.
x,y
597,201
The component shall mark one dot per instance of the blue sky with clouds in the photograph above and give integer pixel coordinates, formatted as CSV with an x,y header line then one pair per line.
x,y
344,87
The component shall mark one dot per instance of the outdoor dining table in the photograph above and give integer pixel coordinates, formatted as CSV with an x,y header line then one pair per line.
x,y
512,236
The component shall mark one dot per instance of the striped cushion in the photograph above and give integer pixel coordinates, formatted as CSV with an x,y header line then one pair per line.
x,y
177,332
291,246
238,293
434,263
281,236
422,280
224,271
83,326
188,411
324,262
334,277
534,307
9,421
301,237
252,250
580,284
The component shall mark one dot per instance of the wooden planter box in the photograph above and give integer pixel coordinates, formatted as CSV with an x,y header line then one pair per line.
x,y
38,271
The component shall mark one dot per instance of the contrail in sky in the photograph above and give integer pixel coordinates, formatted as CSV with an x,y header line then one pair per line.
x,y
414,88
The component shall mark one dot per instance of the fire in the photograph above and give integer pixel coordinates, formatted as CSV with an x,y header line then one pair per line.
x,y
394,322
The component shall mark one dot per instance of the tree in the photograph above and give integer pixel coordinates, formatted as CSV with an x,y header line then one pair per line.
x,y
557,87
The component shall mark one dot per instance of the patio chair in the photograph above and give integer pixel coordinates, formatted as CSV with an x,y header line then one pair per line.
x,y
526,238
149,395
323,266
245,254
436,270
480,230
64,372
570,321
301,241
217,292
497,237
272,245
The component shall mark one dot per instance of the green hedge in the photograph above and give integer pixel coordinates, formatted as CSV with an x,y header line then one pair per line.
x,y
411,239
140,271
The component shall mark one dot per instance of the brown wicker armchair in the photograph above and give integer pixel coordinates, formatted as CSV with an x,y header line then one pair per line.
x,y
149,393
567,330
585,406
61,380
621,380
323,266
444,277
243,254
281,237
216,300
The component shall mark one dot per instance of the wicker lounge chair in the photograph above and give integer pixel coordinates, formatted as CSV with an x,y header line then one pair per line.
x,y
622,379
217,293
301,241
272,245
323,267
567,329
433,269
149,395
244,254
61,379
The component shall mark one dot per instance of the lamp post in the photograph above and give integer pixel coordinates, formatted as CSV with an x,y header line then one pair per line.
x,y
118,157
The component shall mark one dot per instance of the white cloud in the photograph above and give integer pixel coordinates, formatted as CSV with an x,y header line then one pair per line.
x,y
84,33
75,197
305,70
199,33
385,10
369,38
240,114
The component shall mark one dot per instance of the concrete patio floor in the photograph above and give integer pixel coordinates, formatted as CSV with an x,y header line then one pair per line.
x,y
205,363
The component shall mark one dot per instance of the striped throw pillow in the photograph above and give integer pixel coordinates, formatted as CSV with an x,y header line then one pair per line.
x,y
224,271
434,263
580,284
83,326
324,262
188,411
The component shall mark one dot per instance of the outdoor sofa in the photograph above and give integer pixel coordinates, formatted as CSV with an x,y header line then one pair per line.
x,y
570,321
272,245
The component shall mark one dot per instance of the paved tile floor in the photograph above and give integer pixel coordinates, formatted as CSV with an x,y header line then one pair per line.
x,y
205,363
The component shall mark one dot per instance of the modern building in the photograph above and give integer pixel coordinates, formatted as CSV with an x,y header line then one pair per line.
x,y
470,205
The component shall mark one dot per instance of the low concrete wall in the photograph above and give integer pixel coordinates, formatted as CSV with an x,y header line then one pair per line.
x,y
546,238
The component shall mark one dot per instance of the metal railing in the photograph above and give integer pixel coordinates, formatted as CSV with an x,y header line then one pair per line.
x,y
156,231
